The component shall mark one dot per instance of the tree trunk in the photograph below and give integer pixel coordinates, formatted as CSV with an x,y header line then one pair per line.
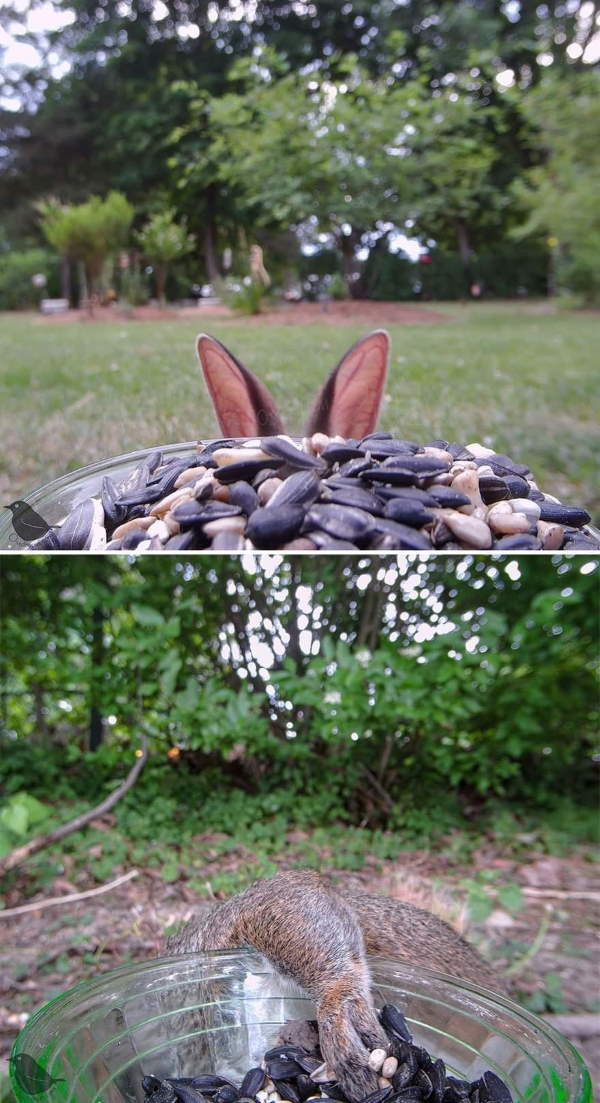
x,y
65,278
41,727
346,243
466,253
211,259
161,279
96,720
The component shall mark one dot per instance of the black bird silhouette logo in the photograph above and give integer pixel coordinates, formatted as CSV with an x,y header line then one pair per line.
x,y
27,524
32,1077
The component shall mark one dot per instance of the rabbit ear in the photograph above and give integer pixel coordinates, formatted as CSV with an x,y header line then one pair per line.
x,y
348,403
243,405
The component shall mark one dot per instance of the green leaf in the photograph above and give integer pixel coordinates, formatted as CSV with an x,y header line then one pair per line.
x,y
147,616
511,897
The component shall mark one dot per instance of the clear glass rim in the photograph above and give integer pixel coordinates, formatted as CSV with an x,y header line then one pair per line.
x,y
395,971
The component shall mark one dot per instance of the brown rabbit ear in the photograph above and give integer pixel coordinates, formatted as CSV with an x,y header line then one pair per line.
x,y
348,403
243,405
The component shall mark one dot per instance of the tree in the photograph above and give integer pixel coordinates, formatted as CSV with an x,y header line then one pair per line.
x,y
89,232
561,194
296,150
162,241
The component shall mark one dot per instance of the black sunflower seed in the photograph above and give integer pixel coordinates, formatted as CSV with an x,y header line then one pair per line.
x,y
341,522
404,1073
353,496
141,496
159,1091
379,1096
227,1094
492,489
75,530
393,1022
252,1082
341,453
492,1089
244,470
305,1086
192,512
421,1080
324,542
282,1068
209,1083
295,457
416,493
382,449
448,498
154,460
302,489
436,1071
379,434
186,1093
271,526
456,1091
308,1064
354,468
503,465
412,1094
114,512
180,541
408,511
287,1050
405,535
243,495
459,452
287,1090
133,538
519,541
563,515
517,487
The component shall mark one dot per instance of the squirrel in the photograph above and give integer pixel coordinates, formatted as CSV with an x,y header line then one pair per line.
x,y
320,937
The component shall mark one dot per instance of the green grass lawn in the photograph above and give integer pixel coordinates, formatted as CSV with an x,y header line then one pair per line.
x,y
513,376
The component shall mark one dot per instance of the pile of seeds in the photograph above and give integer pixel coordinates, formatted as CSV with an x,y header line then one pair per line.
x,y
295,1074
378,493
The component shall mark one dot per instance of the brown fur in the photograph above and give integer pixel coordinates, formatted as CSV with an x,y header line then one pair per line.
x,y
320,937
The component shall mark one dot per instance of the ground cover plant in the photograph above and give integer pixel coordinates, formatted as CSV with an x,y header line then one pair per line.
x,y
470,686
513,375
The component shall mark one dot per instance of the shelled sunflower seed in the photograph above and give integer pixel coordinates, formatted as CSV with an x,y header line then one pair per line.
x,y
378,493
293,1074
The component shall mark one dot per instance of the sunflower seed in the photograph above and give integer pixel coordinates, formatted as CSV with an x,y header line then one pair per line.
x,y
74,532
341,522
284,449
445,494
271,526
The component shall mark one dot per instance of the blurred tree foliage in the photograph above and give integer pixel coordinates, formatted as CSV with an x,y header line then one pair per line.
x,y
170,102
362,689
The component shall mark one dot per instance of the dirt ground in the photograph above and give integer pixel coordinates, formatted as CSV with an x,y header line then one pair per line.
x,y
552,943
329,313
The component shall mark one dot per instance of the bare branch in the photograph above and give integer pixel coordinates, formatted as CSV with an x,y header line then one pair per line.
x,y
17,856
52,901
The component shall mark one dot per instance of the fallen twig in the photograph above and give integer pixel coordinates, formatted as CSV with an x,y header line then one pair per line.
x,y
576,1026
51,901
557,894
17,856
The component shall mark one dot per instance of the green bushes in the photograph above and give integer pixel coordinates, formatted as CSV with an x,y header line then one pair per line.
x,y
16,270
